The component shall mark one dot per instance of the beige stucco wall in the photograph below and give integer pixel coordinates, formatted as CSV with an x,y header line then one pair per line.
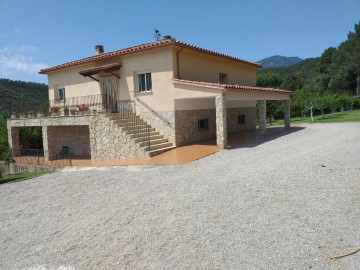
x,y
209,103
75,84
198,66
253,95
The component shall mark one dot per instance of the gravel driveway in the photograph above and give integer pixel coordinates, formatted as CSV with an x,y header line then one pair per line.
x,y
287,202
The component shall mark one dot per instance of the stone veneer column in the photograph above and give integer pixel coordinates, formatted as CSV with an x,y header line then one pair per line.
x,y
262,117
221,124
14,138
45,142
287,113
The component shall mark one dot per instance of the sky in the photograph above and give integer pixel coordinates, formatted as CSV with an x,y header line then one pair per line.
x,y
35,34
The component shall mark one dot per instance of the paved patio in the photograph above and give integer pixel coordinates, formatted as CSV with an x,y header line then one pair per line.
x,y
178,155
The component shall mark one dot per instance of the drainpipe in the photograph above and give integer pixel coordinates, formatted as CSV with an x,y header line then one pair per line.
x,y
178,62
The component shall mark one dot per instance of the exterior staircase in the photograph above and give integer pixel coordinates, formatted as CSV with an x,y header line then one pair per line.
x,y
140,132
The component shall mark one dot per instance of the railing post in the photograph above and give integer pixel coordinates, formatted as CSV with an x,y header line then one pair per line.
x,y
148,134
38,161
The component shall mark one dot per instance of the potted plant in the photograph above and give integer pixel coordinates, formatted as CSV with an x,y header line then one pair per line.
x,y
66,111
72,111
55,111
83,108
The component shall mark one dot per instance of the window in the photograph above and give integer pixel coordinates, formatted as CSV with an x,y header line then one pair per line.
x,y
60,92
222,78
241,119
203,124
144,83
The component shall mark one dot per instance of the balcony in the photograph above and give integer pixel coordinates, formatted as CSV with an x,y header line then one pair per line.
x,y
77,106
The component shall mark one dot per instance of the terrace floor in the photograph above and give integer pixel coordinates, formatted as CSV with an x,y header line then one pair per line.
x,y
178,155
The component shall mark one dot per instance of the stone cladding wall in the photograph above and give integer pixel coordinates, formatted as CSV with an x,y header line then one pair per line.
x,y
232,119
186,123
109,142
77,138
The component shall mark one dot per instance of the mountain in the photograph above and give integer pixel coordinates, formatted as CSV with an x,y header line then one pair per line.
x,y
279,61
18,95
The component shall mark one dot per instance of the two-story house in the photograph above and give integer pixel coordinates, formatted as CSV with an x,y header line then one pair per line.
x,y
143,100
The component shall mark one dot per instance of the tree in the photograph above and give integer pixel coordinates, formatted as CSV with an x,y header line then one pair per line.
x,y
305,98
321,103
326,59
269,80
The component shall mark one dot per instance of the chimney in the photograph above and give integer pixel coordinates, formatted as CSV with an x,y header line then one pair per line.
x,y
99,49
168,37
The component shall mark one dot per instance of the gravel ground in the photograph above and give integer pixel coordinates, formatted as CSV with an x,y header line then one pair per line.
x,y
286,201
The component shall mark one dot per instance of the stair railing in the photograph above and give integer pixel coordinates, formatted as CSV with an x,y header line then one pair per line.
x,y
162,118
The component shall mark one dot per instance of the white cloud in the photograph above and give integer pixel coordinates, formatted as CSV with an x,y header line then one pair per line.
x,y
15,59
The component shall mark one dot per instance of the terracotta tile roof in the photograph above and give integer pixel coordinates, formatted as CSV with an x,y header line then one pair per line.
x,y
233,87
143,47
95,70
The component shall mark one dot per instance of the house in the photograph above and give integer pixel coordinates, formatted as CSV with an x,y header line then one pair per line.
x,y
146,99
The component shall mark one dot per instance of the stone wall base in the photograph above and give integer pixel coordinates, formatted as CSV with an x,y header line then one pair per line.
x,y
186,123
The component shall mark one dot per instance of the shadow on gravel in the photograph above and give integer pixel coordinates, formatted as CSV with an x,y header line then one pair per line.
x,y
271,134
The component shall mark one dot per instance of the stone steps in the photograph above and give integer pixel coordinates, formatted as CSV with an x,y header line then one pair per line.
x,y
142,133
152,137
157,146
153,142
137,127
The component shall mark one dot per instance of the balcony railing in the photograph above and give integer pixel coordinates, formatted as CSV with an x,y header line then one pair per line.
x,y
74,106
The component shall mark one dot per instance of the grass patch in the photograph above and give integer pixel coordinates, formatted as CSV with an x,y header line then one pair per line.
x,y
347,116
21,176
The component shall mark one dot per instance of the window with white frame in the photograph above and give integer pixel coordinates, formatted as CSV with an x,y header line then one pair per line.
x,y
143,81
60,91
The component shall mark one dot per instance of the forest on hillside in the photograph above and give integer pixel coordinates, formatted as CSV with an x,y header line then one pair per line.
x,y
325,84
18,96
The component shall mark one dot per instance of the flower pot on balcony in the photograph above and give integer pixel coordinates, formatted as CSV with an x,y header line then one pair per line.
x,y
66,112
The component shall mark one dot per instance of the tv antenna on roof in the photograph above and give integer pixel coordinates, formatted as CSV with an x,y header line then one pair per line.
x,y
157,34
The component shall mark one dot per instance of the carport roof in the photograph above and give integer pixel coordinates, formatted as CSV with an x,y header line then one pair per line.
x,y
233,87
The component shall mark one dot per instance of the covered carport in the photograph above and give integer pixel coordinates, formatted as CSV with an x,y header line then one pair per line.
x,y
224,94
